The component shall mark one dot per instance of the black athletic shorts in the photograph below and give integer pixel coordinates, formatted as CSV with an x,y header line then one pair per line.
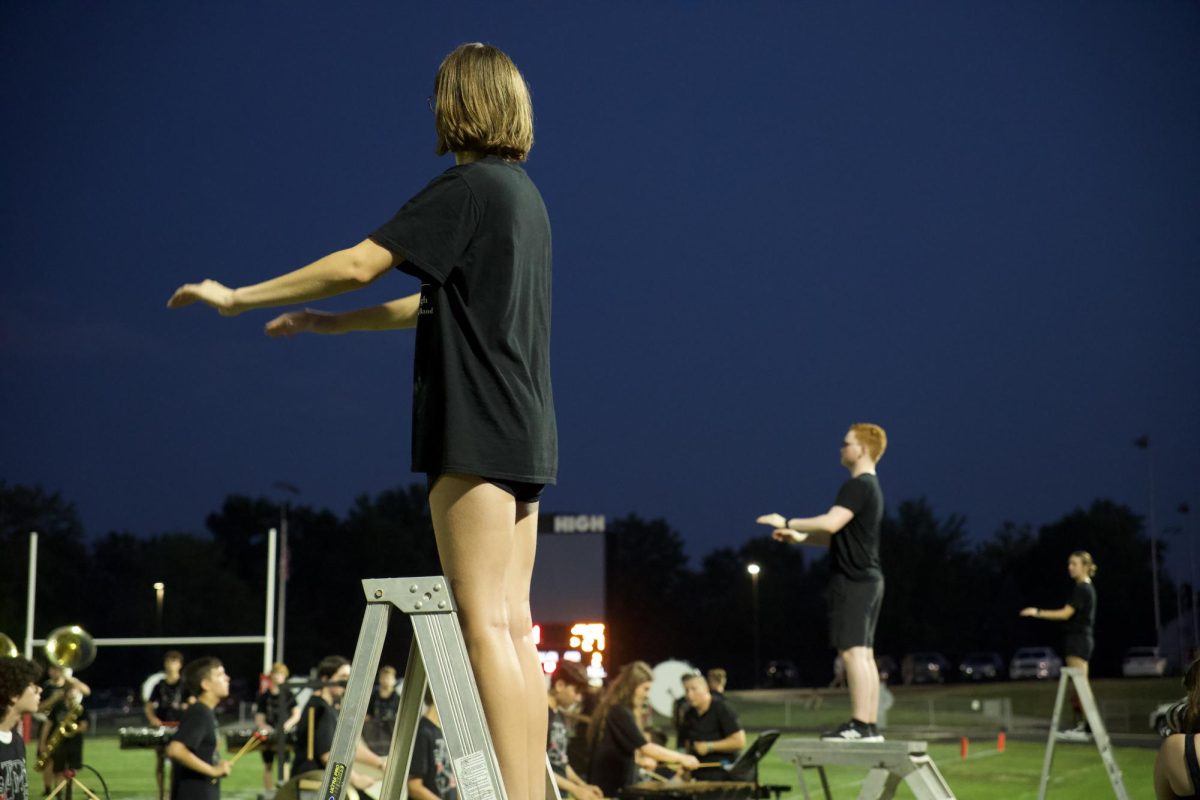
x,y
853,611
521,492
1079,645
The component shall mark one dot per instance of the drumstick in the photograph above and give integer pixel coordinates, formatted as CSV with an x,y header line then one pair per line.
x,y
656,776
254,741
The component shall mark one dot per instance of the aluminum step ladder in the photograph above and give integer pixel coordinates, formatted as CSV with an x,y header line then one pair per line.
x,y
437,659
888,763
1091,713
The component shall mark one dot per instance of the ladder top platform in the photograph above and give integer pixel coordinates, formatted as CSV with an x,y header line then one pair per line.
x,y
814,752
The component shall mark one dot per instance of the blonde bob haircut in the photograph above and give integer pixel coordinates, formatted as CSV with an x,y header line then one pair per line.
x,y
872,438
482,104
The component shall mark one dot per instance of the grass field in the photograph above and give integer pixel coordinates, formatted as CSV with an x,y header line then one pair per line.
x,y
984,775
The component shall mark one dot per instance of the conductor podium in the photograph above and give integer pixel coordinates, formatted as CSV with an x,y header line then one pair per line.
x,y
887,764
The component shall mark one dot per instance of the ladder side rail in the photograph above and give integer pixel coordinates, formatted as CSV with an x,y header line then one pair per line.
x,y
1100,735
354,703
1048,762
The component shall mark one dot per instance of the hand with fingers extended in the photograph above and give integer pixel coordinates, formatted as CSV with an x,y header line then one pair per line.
x,y
306,321
772,520
209,292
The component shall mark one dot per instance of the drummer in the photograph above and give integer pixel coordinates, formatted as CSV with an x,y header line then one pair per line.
x,y
164,706
275,708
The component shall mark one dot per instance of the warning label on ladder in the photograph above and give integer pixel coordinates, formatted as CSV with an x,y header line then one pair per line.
x,y
474,782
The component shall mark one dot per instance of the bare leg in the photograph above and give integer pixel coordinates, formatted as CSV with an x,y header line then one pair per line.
x,y
863,679
474,522
520,626
873,678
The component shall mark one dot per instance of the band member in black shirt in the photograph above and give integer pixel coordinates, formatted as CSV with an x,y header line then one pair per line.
x,y
567,685
711,731
276,713
196,766
318,723
431,772
477,237
851,531
19,695
57,689
164,708
381,712
618,745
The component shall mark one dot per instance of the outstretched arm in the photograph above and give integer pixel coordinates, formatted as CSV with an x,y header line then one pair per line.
x,y
1057,614
809,530
334,274
400,313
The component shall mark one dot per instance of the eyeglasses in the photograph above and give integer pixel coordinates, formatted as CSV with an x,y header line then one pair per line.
x,y
429,102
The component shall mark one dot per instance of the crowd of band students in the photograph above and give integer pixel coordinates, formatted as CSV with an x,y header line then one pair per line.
x,y
599,739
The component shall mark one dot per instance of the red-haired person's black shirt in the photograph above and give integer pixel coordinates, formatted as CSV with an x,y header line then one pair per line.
x,y
854,550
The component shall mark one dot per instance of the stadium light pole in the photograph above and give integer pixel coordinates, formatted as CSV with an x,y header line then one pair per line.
x,y
754,569
1143,443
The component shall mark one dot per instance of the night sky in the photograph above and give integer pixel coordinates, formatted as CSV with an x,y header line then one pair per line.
x,y
976,224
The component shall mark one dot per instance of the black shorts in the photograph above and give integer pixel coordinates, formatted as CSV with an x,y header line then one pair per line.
x,y
68,754
853,611
1079,645
522,492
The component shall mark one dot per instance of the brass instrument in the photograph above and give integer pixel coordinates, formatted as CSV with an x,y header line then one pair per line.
x,y
72,648
65,730
8,648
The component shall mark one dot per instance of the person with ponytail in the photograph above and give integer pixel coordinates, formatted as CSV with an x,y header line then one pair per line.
x,y
1177,769
616,742
1079,614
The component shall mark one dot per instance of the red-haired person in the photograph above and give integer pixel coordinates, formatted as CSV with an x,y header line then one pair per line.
x,y
851,531
477,237
19,695
617,743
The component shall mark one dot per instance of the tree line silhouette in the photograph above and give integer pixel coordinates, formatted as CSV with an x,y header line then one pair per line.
x,y
944,591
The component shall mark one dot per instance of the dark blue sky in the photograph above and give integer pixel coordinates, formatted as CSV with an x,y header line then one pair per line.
x,y
973,223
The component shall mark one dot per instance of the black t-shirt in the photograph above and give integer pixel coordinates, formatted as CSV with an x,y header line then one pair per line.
x,y
431,761
275,707
558,740
612,763
478,237
14,779
324,726
1083,600
854,549
384,709
198,733
718,722
167,699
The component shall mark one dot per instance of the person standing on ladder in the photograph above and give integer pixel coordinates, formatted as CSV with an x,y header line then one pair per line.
x,y
484,433
850,528
1079,614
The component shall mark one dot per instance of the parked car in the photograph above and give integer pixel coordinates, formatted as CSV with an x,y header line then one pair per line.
x,y
981,667
1035,662
1143,662
924,668
781,673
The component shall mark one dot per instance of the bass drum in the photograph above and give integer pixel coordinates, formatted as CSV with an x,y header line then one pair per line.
x,y
667,686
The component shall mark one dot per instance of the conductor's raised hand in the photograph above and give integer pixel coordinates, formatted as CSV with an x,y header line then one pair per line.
x,y
293,322
209,292
785,535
